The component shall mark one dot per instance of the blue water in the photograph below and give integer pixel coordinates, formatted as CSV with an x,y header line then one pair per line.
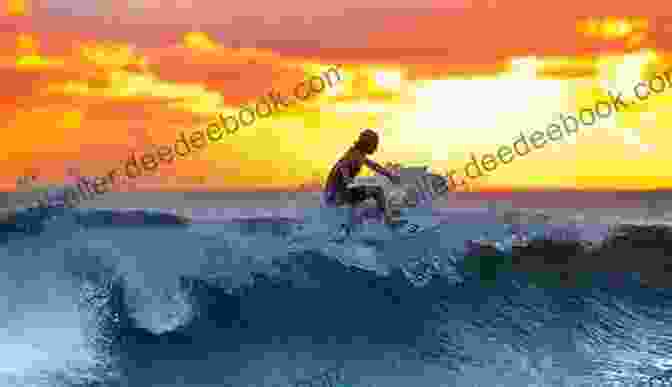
x,y
103,298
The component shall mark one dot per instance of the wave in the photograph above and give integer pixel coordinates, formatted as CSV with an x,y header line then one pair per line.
x,y
471,302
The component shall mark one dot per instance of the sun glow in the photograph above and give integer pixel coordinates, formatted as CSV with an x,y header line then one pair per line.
x,y
18,8
612,28
199,41
456,109
623,72
388,79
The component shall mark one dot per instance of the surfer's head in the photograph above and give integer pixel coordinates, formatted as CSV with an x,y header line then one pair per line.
x,y
367,142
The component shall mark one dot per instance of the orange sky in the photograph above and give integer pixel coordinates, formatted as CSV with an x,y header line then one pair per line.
x,y
84,83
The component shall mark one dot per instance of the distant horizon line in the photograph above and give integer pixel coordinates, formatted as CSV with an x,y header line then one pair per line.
x,y
294,189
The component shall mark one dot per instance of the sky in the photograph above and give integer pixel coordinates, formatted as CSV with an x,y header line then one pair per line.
x,y
85,83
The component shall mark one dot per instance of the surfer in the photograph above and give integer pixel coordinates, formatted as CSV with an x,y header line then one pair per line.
x,y
337,192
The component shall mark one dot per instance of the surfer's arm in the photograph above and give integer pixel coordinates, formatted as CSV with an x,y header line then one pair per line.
x,y
380,169
344,169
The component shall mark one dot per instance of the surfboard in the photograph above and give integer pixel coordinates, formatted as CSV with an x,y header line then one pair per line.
x,y
408,227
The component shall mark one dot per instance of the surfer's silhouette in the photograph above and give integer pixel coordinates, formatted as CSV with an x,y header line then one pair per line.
x,y
336,190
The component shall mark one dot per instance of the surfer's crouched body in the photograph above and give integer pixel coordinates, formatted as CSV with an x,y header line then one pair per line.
x,y
336,191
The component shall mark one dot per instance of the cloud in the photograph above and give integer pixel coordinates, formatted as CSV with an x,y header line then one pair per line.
x,y
238,75
76,85
97,101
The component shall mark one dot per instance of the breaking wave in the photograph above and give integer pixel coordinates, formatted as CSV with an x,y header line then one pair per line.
x,y
140,297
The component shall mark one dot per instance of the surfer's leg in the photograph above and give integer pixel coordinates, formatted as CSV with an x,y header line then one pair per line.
x,y
334,199
378,194
355,196
351,198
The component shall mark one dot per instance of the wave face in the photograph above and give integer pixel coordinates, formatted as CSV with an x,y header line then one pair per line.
x,y
136,298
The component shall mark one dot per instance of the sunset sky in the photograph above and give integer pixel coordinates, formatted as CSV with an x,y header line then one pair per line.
x,y
86,82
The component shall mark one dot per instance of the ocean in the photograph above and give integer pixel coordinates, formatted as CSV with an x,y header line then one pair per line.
x,y
246,297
